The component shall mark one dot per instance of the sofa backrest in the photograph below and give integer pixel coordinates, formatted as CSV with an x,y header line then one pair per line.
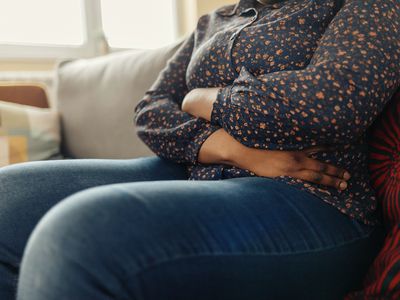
x,y
96,100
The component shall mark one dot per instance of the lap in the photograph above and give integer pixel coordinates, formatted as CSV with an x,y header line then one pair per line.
x,y
252,235
29,190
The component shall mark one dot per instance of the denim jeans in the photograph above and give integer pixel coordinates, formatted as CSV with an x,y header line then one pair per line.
x,y
138,229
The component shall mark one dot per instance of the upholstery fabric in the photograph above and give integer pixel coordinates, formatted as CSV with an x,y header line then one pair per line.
x,y
383,278
96,99
27,133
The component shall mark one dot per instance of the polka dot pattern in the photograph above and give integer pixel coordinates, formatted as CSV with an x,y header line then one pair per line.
x,y
292,74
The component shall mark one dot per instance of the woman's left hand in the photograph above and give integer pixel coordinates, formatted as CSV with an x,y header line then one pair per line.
x,y
199,102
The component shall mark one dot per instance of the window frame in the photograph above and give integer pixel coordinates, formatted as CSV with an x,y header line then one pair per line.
x,y
95,43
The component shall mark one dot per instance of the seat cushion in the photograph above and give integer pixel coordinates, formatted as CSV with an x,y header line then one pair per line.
x,y
96,100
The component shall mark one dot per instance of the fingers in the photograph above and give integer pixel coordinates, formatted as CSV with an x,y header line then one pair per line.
x,y
321,178
324,168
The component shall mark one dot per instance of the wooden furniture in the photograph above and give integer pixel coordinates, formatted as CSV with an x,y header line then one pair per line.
x,y
27,94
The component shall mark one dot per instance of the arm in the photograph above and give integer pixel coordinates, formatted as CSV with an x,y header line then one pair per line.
x,y
351,76
167,130
221,148
218,147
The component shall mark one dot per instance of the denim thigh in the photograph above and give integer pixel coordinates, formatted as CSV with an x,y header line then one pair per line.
x,y
243,238
29,190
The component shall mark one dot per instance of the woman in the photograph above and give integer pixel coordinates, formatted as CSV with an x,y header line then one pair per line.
x,y
273,97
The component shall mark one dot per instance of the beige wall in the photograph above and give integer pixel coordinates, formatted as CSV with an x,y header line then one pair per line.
x,y
26,65
188,10
204,6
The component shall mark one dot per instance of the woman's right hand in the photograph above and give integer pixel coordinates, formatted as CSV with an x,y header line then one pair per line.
x,y
220,147
297,164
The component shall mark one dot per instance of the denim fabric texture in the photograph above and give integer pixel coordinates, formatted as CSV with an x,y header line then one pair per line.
x,y
138,229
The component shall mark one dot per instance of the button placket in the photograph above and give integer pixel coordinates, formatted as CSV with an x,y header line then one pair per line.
x,y
234,36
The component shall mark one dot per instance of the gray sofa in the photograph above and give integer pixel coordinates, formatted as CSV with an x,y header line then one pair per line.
x,y
96,99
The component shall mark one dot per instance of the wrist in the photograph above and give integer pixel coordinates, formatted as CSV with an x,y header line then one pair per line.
x,y
234,153
221,148
240,156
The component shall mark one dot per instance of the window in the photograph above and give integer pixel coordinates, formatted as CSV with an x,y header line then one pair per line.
x,y
28,22
79,28
138,24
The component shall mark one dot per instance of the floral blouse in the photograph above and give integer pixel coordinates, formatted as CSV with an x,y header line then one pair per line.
x,y
292,75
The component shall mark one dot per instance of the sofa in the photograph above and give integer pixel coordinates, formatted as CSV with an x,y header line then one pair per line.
x,y
95,100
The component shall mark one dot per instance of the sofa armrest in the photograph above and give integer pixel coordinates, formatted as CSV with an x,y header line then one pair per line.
x,y
27,94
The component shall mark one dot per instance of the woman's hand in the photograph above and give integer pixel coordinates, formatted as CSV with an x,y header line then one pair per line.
x,y
297,164
199,102
220,147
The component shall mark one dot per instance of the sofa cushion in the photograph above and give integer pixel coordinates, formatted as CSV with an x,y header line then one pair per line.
x,y
96,100
27,133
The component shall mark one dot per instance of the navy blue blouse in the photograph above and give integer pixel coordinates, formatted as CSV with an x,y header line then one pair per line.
x,y
292,75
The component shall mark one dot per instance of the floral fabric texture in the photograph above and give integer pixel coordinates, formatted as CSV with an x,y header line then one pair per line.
x,y
292,75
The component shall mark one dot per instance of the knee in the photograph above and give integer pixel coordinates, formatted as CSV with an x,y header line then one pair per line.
x,y
98,225
84,236
82,228
72,224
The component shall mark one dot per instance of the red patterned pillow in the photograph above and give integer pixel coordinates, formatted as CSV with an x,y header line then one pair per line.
x,y
384,162
383,279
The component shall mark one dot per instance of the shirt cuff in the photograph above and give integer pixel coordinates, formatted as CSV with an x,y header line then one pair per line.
x,y
220,105
206,129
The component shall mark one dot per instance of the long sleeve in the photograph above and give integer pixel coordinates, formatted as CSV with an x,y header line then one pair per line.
x,y
352,74
160,122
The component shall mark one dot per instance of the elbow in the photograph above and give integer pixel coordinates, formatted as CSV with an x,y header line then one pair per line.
x,y
139,114
137,119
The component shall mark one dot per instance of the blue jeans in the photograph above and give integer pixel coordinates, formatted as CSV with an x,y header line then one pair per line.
x,y
138,229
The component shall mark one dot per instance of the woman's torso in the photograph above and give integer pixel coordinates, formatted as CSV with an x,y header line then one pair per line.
x,y
267,39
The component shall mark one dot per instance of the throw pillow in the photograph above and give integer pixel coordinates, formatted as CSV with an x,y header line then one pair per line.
x,y
27,133
382,280
385,161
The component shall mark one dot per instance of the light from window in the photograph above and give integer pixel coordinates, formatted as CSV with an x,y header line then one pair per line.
x,y
44,22
138,23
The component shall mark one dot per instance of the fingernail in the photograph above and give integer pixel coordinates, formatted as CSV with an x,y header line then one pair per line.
x,y
343,185
346,176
